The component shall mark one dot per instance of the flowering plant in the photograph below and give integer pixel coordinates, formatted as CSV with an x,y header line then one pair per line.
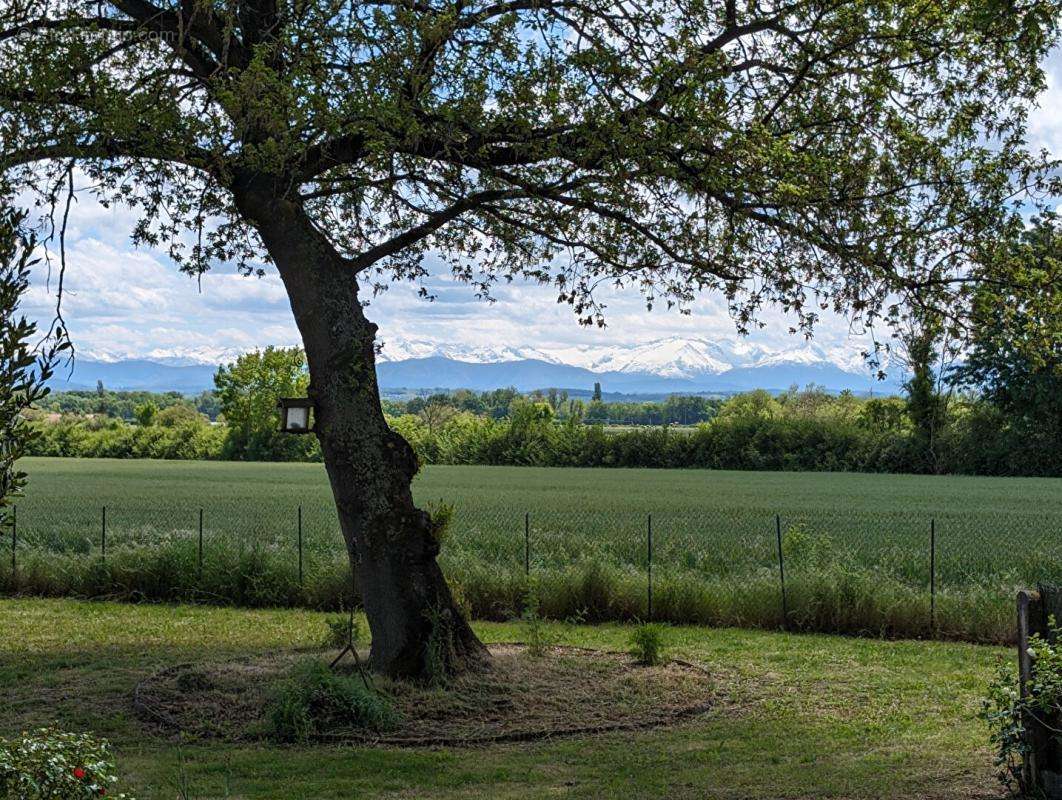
x,y
49,764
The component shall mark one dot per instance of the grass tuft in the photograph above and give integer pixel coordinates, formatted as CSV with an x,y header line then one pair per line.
x,y
647,643
315,701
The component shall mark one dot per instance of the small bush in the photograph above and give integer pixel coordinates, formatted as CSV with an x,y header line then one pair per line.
x,y
442,517
647,643
49,764
1005,709
314,700
342,630
439,649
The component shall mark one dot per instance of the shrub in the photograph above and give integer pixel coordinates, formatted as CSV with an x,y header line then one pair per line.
x,y
342,630
314,700
647,643
1004,709
50,764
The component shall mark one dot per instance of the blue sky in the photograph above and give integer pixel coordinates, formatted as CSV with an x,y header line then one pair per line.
x,y
128,302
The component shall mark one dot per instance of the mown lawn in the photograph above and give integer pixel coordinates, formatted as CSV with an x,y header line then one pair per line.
x,y
800,716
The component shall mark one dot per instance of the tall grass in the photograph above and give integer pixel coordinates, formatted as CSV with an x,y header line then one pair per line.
x,y
834,597
856,547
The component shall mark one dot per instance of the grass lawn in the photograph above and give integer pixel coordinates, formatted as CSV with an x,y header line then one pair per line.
x,y
801,716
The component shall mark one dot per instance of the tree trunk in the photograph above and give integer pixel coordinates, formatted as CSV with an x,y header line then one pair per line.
x,y
417,631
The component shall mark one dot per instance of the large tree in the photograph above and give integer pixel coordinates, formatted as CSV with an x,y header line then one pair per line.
x,y
808,153
1014,354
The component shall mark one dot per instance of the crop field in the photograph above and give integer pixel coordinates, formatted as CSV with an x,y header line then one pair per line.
x,y
861,552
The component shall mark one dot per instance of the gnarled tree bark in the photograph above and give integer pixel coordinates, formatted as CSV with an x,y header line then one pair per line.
x,y
416,627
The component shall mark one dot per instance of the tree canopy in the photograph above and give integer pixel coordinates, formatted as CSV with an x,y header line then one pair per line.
x,y
1015,350
811,152
247,391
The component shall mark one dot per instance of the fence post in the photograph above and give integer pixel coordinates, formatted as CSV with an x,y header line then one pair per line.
x,y
103,535
781,570
649,542
199,556
300,545
933,575
14,542
527,543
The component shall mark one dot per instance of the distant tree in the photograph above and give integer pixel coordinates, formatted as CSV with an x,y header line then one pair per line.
x,y
596,412
101,398
597,393
178,414
435,413
248,390
24,368
924,350
758,404
206,403
685,409
1015,353
145,413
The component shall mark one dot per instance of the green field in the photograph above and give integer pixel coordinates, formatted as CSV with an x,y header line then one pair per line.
x,y
856,546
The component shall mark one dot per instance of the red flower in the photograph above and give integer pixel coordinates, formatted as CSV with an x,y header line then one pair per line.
x,y
79,773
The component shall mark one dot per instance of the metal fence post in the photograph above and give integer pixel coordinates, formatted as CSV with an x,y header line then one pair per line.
x,y
300,545
14,542
527,543
781,570
649,552
103,535
933,575
199,555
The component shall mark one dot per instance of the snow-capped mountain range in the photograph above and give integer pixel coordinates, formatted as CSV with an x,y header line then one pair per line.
x,y
660,366
670,357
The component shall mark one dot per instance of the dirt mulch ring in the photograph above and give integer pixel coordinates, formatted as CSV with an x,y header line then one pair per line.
x,y
564,692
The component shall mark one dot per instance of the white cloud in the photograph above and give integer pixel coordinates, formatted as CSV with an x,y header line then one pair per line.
x,y
1045,121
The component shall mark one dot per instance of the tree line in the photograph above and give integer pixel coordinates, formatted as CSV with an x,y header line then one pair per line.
x,y
806,429
990,404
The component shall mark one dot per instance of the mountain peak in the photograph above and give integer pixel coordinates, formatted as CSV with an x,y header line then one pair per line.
x,y
679,357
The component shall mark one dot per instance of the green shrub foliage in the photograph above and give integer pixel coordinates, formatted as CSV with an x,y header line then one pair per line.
x,y
647,643
49,764
805,430
1005,709
341,631
314,701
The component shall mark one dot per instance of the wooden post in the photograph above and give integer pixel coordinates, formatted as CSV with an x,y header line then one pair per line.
x,y
1042,767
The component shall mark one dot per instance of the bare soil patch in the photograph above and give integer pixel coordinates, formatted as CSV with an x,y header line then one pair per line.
x,y
566,691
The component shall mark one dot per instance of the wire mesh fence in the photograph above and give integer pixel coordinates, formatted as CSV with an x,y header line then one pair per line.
x,y
847,570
